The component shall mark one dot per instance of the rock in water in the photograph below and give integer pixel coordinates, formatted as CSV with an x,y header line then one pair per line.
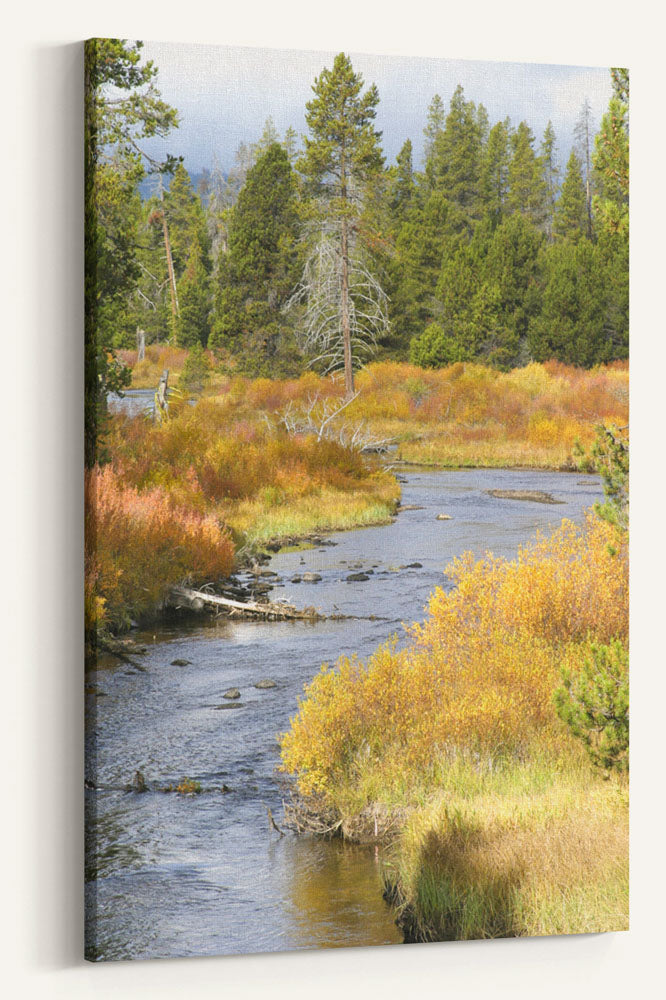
x,y
444,517
232,694
180,663
265,684
535,496
311,578
357,577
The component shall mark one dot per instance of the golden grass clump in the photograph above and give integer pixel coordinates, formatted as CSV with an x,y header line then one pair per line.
x,y
530,861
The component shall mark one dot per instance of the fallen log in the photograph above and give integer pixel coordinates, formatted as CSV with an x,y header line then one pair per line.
x,y
198,599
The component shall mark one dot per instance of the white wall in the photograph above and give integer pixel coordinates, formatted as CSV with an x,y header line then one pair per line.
x,y
41,394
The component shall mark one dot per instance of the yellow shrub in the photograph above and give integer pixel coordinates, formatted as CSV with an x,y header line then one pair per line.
x,y
479,673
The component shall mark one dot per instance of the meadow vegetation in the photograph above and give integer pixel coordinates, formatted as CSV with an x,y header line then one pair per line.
x,y
465,414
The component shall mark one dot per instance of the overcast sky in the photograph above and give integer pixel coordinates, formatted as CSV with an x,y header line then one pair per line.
x,y
224,95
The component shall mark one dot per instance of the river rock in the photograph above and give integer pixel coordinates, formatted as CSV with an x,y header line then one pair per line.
x,y
232,693
444,517
265,684
230,704
311,578
296,579
180,663
357,577
408,506
414,565
535,496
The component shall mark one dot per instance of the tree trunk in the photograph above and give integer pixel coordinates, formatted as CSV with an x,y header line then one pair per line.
x,y
344,309
169,259
161,408
140,344
344,291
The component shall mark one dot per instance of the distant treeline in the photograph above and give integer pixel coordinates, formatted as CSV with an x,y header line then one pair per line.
x,y
490,252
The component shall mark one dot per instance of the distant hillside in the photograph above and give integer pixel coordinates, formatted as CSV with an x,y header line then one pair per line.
x,y
148,186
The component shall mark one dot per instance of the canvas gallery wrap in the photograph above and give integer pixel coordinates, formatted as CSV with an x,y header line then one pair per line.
x,y
356,464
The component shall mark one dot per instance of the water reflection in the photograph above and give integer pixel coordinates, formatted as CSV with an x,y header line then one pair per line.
x,y
334,895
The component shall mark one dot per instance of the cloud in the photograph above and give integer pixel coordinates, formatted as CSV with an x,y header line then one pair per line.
x,y
225,94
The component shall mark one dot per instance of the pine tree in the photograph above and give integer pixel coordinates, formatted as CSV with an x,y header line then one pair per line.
x,y
187,220
494,180
269,135
260,267
468,306
290,143
551,172
594,704
435,125
114,165
455,161
571,209
416,266
611,209
342,154
193,323
611,158
527,186
571,324
403,187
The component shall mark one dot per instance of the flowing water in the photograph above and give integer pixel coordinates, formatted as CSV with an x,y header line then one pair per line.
x,y
176,875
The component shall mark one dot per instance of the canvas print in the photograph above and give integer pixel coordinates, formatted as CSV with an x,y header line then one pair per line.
x,y
356,473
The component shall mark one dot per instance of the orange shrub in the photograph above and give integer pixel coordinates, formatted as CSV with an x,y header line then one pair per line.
x,y
138,545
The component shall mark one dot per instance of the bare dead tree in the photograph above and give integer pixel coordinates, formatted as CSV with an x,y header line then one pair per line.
x,y
327,313
583,136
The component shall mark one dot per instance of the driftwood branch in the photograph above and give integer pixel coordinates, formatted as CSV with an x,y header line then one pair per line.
x,y
319,417
198,599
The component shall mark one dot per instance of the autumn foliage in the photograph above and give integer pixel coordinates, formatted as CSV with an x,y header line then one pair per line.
x,y
477,677
139,544
177,499
465,414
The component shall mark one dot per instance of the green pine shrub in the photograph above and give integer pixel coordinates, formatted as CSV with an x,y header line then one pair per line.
x,y
595,705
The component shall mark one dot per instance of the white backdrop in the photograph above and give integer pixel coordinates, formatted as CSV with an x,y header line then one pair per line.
x,y
40,318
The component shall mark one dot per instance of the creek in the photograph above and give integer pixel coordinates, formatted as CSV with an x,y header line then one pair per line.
x,y
176,875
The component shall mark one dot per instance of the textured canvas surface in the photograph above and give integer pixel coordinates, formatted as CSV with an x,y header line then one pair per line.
x,y
353,323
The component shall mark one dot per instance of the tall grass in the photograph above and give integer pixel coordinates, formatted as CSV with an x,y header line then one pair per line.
x,y
534,852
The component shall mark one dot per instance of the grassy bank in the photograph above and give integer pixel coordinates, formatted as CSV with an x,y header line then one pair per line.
x,y
525,849
452,749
